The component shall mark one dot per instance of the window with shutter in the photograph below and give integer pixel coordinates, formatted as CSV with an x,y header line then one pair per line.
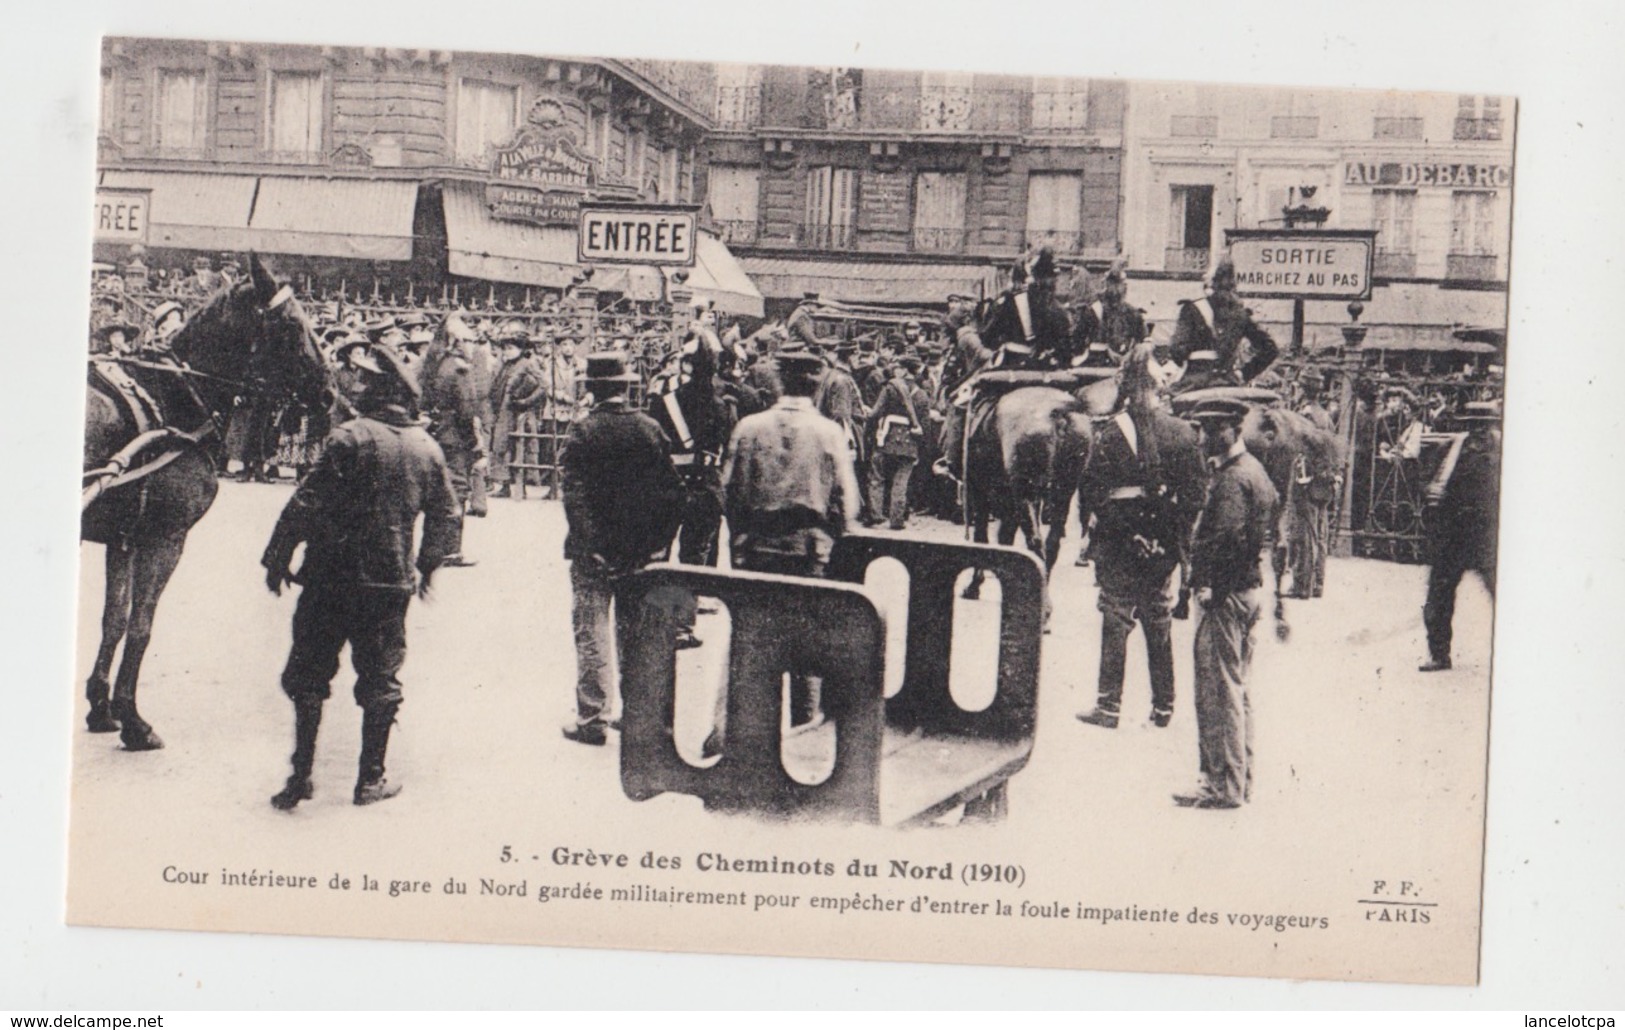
x,y
734,193
1055,211
296,115
831,208
181,111
487,114
1472,235
1190,228
939,211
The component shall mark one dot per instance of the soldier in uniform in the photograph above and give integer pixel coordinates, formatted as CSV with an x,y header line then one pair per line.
x,y
839,399
622,498
687,405
1464,503
1208,333
1107,329
897,427
1143,485
1031,328
966,356
450,401
355,513
790,490
1231,538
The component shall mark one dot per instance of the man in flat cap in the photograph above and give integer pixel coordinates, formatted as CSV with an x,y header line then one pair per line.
x,y
354,513
1229,547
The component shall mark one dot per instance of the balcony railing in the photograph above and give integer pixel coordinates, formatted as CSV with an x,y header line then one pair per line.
x,y
1186,259
733,231
1060,111
926,109
1478,128
819,236
1393,265
1478,267
1061,241
934,240
739,107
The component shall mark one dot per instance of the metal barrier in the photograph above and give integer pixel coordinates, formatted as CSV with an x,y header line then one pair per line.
x,y
906,760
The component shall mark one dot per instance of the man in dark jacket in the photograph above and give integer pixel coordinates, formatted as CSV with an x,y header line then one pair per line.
x,y
622,499
687,404
897,429
1464,501
1208,333
1106,329
451,398
1229,548
1143,486
354,513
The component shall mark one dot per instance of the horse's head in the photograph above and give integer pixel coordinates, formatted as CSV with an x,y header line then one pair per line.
x,y
254,335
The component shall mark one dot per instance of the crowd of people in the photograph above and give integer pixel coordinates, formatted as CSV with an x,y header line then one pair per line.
x,y
662,434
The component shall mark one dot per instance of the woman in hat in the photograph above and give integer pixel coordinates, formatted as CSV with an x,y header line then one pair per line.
x,y
516,394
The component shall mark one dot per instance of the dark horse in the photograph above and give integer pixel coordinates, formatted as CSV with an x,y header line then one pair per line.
x,y
251,337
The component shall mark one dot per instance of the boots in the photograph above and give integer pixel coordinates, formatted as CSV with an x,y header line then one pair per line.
x,y
1114,632
1159,653
307,720
370,785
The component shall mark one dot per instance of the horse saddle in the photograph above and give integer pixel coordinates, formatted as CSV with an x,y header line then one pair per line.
x,y
135,402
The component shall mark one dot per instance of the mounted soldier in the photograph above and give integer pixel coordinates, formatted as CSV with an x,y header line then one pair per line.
x,y
1028,327
1108,328
1208,334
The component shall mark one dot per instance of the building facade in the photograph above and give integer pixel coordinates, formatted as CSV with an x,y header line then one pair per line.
x,y
896,187
395,169
1431,173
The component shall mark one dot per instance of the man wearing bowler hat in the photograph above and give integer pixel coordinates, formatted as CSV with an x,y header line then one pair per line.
x,y
622,500
354,513
1229,547
1463,509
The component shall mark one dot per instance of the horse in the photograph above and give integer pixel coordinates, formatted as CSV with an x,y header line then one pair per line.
x,y
250,336
1292,449
1022,463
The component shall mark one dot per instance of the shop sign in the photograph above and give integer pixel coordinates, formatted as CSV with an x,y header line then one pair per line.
x,y
1303,264
541,175
120,216
1441,174
637,234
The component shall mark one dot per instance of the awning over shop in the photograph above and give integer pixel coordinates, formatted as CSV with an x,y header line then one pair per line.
x,y
717,276
869,281
350,218
347,218
193,210
482,247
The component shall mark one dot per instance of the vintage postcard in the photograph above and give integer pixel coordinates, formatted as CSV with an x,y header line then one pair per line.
x,y
830,512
